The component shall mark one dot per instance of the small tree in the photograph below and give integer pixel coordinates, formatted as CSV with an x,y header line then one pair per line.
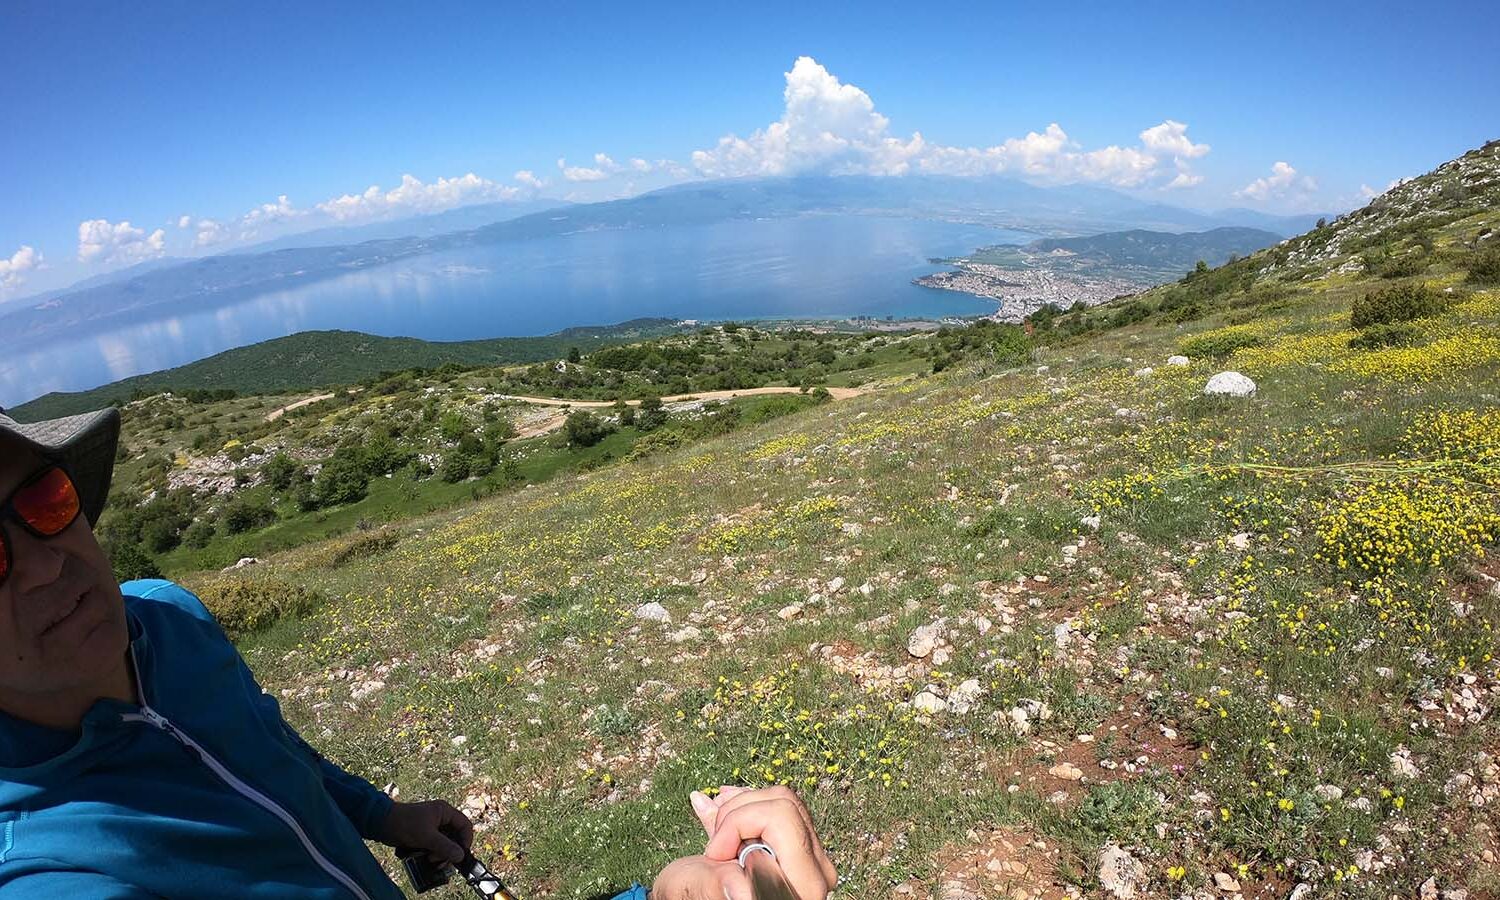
x,y
281,472
574,356
130,562
584,429
342,479
247,514
624,413
650,416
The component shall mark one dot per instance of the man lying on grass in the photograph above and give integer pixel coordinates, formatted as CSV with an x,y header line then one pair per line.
x,y
139,758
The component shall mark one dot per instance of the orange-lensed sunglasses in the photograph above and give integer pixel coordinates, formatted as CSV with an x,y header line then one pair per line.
x,y
45,505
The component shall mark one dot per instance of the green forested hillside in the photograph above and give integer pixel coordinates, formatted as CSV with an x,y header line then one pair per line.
x,y
316,359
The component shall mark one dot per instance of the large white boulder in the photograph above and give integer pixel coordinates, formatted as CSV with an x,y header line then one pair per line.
x,y
1230,384
1177,360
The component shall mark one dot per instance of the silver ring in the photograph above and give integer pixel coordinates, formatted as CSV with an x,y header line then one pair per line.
x,y
750,848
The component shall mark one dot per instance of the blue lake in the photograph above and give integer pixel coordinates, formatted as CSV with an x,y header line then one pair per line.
x,y
811,266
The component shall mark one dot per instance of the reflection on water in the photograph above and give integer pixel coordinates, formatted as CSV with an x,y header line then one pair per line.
x,y
814,266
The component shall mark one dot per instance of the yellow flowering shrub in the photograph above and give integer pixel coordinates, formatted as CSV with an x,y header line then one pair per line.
x,y
1388,526
1456,352
791,443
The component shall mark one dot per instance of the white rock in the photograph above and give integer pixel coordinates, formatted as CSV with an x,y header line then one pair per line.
x,y
1230,384
1043,370
929,702
1401,764
924,640
685,634
789,612
1062,635
941,655
1226,883
653,612
1301,892
1066,771
836,585
1177,360
1240,541
1119,872
1145,372
964,697
1090,522
1328,793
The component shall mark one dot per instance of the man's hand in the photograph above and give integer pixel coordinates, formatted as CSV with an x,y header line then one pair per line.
x,y
775,816
422,826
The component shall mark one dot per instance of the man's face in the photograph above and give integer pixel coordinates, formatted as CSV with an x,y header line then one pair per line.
x,y
62,617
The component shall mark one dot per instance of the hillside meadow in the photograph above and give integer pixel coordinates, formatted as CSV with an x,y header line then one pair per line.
x,y
989,623
1063,628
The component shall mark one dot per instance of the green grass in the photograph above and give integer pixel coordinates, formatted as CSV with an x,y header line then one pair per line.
x,y
1230,672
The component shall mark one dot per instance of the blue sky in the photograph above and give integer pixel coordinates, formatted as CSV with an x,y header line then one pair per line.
x,y
190,122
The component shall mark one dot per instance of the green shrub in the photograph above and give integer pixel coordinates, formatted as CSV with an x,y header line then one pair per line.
x,y
1397,303
131,562
281,472
342,479
1220,343
1395,334
360,545
1484,266
1011,347
247,605
656,442
1402,266
457,465
198,534
584,429
247,514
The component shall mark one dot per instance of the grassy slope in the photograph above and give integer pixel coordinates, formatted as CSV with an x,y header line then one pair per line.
x,y
1228,671
314,359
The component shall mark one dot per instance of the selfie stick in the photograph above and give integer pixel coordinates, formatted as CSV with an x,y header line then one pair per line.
x,y
767,882
426,875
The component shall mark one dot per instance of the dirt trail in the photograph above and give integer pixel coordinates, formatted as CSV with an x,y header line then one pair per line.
x,y
275,414
552,423
838,393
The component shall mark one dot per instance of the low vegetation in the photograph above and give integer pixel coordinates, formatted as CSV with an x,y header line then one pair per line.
x,y
1039,608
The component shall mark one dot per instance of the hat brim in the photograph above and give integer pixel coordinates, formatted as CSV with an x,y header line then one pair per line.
x,y
85,444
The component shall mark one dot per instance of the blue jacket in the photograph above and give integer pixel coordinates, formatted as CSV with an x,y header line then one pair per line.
x,y
203,791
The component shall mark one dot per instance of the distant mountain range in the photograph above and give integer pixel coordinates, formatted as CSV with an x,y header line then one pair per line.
x,y
1163,251
161,288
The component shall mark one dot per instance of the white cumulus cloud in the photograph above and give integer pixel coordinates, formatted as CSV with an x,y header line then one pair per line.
x,y
117,243
528,178
206,232
413,197
831,127
1284,181
13,270
584,173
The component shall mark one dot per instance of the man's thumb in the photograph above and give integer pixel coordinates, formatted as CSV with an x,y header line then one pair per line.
x,y
706,810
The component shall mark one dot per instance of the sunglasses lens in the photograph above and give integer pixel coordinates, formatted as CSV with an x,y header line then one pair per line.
x,y
48,504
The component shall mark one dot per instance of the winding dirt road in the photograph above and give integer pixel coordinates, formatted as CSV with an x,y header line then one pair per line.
x,y
552,423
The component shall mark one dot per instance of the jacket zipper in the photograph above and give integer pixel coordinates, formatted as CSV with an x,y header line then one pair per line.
x,y
157,720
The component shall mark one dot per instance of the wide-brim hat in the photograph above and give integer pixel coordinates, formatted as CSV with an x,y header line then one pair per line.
x,y
85,444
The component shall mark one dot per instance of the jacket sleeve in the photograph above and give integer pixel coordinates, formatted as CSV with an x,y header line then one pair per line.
x,y
636,892
71,884
361,802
